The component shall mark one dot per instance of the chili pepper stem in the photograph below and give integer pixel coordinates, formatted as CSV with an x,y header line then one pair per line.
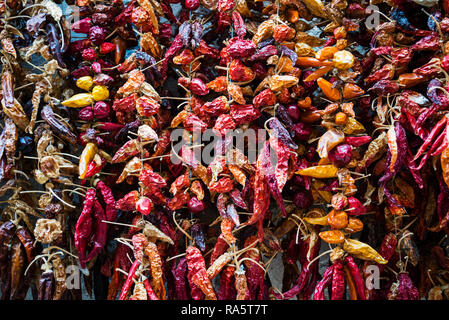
x,y
73,191
67,154
154,64
121,224
318,257
34,191
124,241
176,98
151,158
22,173
407,226
57,197
48,249
269,262
181,229
177,256
430,278
253,261
278,291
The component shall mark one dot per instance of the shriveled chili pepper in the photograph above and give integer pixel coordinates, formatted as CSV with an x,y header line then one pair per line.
x,y
100,232
84,225
356,277
198,272
325,281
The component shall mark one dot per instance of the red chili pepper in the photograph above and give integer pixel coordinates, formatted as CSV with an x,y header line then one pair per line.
x,y
108,197
406,288
325,281
356,276
180,276
338,281
355,207
387,248
151,294
129,280
432,135
129,201
109,126
100,236
84,226
357,141
227,288
198,272
93,168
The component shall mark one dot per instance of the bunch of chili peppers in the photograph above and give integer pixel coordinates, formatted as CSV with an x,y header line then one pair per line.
x,y
351,174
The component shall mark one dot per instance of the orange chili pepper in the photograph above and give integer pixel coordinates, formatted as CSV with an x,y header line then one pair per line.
x,y
354,225
306,103
312,62
226,229
337,219
328,90
351,90
351,284
292,15
326,53
332,236
408,80
444,159
318,73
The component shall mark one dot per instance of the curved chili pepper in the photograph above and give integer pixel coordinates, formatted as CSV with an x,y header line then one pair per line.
x,y
325,281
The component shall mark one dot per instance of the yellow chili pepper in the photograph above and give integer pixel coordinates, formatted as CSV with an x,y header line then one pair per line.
x,y
328,90
86,156
322,221
79,100
100,93
85,83
303,50
325,171
362,251
353,127
343,60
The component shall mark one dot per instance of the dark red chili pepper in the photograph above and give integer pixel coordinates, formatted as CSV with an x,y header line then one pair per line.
x,y
338,281
46,286
27,241
100,235
84,226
